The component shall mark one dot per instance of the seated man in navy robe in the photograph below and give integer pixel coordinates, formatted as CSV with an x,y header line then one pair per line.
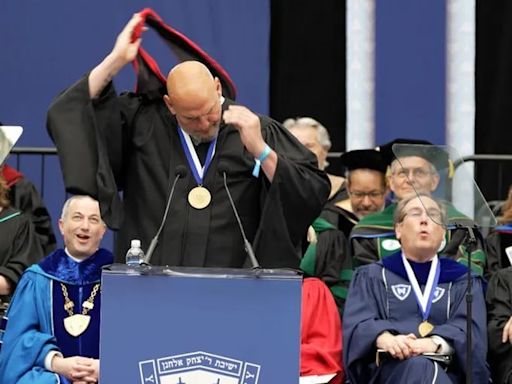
x,y
410,308
52,325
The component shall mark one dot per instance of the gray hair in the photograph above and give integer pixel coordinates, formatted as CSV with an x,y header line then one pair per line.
x,y
68,202
396,164
321,131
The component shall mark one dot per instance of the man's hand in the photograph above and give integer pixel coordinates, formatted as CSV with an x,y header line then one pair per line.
x,y
398,346
125,48
507,332
423,345
77,369
248,124
124,51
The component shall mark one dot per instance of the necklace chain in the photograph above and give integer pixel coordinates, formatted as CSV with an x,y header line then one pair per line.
x,y
87,305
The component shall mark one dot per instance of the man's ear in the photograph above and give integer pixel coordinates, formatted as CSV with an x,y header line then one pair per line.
x,y
398,231
218,86
167,101
434,182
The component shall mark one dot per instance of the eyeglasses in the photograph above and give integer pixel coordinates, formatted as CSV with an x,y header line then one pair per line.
x,y
416,173
434,213
373,195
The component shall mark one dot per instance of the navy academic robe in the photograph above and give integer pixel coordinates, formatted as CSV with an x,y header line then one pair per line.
x,y
381,299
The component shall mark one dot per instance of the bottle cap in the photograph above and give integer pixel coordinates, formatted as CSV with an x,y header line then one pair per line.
x,y
135,243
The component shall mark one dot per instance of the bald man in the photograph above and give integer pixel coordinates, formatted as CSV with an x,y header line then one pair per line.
x,y
189,135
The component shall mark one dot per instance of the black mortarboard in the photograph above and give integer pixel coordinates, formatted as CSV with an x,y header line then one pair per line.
x,y
363,159
438,157
149,76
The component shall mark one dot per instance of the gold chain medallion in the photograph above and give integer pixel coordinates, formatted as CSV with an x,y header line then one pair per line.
x,y
76,324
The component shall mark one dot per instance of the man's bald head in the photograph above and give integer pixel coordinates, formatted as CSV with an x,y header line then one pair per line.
x,y
193,96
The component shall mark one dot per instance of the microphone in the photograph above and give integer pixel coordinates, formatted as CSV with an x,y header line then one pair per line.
x,y
248,247
181,171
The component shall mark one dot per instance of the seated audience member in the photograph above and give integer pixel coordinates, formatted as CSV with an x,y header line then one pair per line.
x,y
18,246
321,335
52,332
413,304
366,186
314,136
24,196
328,255
499,325
499,240
416,170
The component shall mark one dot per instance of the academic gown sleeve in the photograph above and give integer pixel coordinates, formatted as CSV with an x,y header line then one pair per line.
x,y
24,196
499,310
291,202
454,330
82,129
330,261
27,339
363,320
321,343
24,249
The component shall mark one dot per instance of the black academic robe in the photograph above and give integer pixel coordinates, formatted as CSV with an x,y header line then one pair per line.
x,y
19,248
499,310
497,241
131,143
24,195
381,299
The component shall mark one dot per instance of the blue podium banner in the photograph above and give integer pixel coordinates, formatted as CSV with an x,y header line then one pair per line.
x,y
200,326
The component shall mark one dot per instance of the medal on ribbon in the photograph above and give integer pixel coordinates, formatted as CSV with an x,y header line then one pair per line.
x,y
199,197
424,299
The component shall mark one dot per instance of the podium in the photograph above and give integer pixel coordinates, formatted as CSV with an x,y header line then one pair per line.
x,y
183,325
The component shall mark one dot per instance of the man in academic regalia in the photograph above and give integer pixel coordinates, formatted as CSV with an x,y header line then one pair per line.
x,y
415,169
328,256
19,247
405,316
24,196
186,133
52,325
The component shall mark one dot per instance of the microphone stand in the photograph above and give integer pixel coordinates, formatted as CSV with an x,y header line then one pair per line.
x,y
470,243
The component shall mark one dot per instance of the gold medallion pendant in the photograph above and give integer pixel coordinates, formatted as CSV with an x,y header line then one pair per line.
x,y
199,197
77,324
425,328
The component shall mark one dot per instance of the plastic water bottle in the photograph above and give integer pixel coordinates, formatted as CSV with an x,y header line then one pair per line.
x,y
135,255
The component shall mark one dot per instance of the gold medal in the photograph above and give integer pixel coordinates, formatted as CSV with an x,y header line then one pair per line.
x,y
199,197
77,324
425,328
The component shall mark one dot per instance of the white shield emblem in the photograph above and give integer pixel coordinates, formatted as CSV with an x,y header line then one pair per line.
x,y
401,291
438,294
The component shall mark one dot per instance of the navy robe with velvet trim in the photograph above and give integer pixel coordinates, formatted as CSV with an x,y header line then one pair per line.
x,y
381,299
36,314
